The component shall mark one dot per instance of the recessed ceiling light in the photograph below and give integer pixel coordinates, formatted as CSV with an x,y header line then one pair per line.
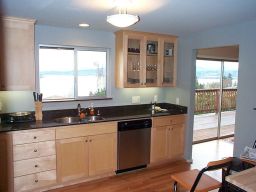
x,y
84,25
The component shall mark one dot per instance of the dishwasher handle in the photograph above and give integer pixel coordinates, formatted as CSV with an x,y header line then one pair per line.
x,y
134,124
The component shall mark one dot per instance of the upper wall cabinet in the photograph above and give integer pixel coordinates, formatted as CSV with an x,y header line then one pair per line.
x,y
145,59
18,70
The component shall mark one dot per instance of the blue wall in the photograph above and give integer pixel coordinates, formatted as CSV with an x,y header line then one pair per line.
x,y
243,35
48,35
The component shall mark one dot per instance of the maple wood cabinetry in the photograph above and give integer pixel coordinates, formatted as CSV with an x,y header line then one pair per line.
x,y
34,159
41,159
167,138
145,59
18,70
6,166
86,150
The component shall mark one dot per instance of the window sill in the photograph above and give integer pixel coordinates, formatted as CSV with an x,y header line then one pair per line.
x,y
70,100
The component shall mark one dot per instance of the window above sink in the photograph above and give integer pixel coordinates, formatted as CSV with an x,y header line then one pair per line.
x,y
73,73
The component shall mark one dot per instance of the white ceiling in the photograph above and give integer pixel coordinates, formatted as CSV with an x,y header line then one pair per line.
x,y
177,17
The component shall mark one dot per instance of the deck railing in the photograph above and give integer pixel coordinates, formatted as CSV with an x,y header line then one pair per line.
x,y
207,100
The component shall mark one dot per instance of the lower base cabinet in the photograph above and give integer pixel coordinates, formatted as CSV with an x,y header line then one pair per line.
x,y
102,154
6,165
72,158
35,181
86,156
29,161
167,138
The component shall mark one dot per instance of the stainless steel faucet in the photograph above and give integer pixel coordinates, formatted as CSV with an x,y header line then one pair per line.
x,y
78,109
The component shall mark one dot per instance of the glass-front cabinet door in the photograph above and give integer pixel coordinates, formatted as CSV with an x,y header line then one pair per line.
x,y
145,59
133,62
169,63
152,65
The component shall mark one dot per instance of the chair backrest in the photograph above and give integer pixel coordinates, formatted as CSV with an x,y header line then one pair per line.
x,y
213,165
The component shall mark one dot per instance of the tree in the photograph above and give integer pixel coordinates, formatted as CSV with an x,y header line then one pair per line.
x,y
198,85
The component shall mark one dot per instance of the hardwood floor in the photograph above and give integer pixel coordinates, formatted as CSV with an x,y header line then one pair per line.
x,y
156,179
153,179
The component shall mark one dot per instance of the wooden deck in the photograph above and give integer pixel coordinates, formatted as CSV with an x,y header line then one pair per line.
x,y
205,125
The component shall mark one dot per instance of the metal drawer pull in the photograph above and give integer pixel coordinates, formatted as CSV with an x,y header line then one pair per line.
x,y
35,150
35,137
36,181
36,166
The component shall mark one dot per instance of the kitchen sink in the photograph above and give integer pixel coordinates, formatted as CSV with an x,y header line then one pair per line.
x,y
94,118
71,119
68,120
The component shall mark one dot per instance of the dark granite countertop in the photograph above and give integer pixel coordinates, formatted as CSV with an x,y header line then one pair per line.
x,y
114,113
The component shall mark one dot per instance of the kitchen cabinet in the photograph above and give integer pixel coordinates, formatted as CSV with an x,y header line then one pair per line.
x,y
86,150
102,153
72,158
34,159
18,70
167,138
145,59
6,166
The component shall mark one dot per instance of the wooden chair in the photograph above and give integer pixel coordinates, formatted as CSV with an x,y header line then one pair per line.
x,y
195,180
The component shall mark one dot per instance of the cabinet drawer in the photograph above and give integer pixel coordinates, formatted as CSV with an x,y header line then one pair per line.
x,y
34,181
178,119
85,130
36,165
33,150
30,136
168,120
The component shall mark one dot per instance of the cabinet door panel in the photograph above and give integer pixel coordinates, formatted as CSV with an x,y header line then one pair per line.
x,y
159,144
102,154
19,69
176,141
169,62
133,61
72,158
152,62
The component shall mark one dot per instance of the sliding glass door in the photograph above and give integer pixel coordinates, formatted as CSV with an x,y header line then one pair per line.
x,y
228,98
215,99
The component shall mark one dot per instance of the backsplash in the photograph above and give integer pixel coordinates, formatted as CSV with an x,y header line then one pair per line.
x,y
15,101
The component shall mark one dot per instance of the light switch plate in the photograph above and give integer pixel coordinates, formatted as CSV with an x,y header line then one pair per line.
x,y
155,98
135,99
177,100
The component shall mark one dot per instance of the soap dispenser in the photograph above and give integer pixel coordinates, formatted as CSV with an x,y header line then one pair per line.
x,y
91,110
153,108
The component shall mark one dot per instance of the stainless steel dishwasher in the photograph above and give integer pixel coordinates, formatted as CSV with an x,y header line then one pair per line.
x,y
133,148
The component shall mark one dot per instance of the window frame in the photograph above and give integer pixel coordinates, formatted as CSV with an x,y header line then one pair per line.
x,y
76,49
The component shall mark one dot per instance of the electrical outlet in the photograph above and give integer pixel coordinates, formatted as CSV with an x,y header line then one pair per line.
x,y
177,100
155,98
135,99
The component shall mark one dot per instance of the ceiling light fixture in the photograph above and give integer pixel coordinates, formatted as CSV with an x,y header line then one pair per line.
x,y
84,25
122,19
